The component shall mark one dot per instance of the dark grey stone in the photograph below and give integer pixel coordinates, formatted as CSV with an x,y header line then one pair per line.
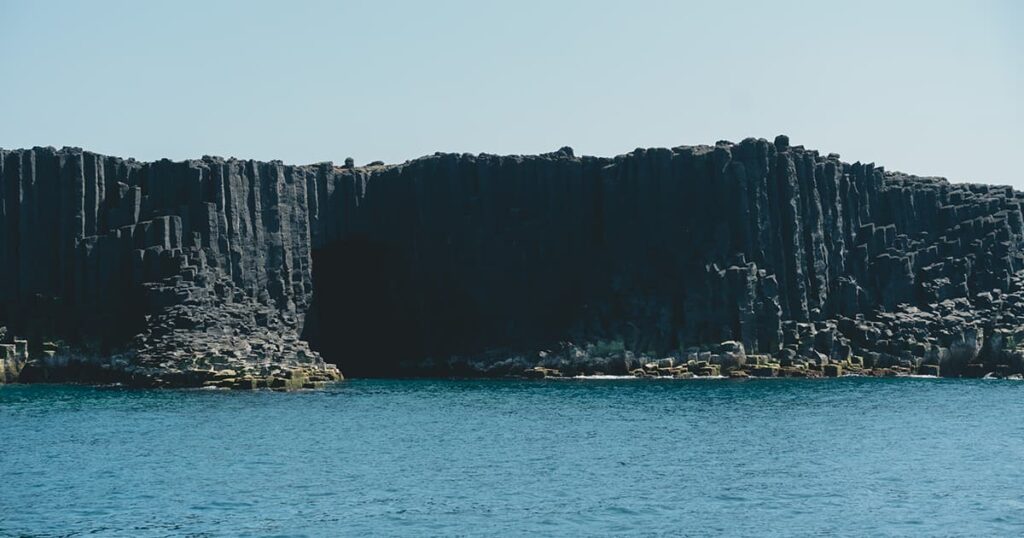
x,y
453,263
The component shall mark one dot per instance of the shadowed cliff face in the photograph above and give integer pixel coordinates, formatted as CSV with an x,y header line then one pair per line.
x,y
390,270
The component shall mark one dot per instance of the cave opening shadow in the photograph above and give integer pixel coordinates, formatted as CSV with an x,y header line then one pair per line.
x,y
375,312
361,317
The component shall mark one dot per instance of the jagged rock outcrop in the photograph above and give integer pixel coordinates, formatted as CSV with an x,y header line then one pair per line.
x,y
468,264
13,356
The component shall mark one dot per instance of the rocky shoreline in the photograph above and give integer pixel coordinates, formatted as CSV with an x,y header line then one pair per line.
x,y
215,367
709,365
820,350
827,353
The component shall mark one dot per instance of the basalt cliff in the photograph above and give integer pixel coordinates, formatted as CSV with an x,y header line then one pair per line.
x,y
756,258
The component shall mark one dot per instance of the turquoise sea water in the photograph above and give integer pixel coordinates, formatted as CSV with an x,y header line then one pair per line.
x,y
914,457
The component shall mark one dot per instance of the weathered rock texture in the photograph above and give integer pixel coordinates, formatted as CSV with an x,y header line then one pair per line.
x,y
463,264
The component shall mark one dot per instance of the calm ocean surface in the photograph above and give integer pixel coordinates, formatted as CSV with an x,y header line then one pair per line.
x,y
866,457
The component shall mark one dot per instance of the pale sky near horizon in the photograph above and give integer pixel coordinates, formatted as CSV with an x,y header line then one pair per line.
x,y
926,87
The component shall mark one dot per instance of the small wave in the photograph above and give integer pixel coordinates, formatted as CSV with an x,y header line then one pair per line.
x,y
923,376
694,378
666,378
605,377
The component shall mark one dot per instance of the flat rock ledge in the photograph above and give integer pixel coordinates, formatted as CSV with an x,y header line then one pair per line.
x,y
57,367
226,361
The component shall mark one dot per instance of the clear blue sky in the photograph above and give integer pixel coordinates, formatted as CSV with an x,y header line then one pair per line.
x,y
927,87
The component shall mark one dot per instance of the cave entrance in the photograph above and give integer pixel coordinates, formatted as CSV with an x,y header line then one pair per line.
x,y
377,312
361,317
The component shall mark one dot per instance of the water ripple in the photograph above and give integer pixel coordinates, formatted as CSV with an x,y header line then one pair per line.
x,y
576,457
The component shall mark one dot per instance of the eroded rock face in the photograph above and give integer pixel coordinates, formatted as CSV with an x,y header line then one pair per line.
x,y
13,356
482,264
